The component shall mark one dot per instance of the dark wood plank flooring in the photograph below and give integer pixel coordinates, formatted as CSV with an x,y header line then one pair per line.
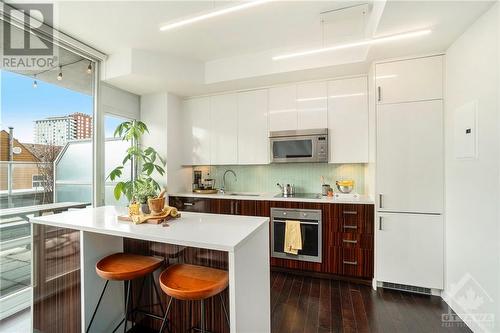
x,y
301,304
306,305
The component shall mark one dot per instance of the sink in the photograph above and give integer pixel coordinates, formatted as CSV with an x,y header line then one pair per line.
x,y
243,194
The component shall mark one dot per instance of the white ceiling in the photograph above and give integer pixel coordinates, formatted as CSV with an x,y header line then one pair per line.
x,y
113,27
135,24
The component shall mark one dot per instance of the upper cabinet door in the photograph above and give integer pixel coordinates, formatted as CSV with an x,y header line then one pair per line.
x,y
348,120
253,133
224,129
409,80
410,157
196,131
282,108
312,105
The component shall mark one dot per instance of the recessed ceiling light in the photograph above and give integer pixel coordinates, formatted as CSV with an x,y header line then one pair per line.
x,y
220,12
355,44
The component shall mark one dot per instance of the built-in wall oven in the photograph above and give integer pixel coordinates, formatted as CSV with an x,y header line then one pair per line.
x,y
310,227
299,146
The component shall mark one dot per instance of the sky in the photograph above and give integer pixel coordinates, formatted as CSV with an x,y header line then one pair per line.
x,y
21,105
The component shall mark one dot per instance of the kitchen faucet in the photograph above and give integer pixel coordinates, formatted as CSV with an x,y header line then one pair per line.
x,y
223,188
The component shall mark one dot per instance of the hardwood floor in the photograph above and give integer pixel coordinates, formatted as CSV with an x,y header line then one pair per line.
x,y
301,304
304,304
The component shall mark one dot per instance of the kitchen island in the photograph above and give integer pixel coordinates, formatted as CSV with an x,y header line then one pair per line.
x,y
245,241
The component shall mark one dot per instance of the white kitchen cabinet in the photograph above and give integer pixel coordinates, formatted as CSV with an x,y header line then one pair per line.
x,y
253,132
409,80
410,157
348,120
196,131
410,249
282,108
224,129
311,105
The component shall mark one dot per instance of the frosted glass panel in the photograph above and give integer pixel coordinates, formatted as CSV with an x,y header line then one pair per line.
x,y
76,163
109,198
76,193
114,154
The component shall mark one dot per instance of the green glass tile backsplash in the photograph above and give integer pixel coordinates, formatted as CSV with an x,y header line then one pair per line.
x,y
305,176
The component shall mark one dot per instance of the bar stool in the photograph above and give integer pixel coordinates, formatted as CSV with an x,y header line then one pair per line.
x,y
193,283
127,267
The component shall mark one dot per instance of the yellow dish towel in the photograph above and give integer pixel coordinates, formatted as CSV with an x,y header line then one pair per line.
x,y
293,237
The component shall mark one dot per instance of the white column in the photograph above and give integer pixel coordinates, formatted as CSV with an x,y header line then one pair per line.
x,y
249,284
94,247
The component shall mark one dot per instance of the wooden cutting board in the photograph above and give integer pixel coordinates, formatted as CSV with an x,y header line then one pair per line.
x,y
151,219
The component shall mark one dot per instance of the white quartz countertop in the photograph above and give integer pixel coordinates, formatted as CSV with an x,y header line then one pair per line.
x,y
362,199
208,231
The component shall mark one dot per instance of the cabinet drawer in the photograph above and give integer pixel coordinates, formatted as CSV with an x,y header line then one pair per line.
x,y
186,204
356,262
354,218
353,240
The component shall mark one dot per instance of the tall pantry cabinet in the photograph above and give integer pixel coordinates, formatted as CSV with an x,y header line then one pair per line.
x,y
410,172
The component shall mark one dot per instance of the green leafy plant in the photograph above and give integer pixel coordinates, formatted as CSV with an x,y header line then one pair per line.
x,y
144,190
144,159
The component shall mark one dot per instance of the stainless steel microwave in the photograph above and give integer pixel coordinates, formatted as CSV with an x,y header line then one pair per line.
x,y
299,146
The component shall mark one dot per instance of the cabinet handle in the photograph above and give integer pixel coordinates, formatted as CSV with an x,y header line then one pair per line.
x,y
380,196
380,223
350,212
188,204
350,241
237,208
379,93
232,207
350,262
350,226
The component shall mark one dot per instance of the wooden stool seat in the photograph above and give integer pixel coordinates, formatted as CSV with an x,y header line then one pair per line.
x,y
192,283
126,266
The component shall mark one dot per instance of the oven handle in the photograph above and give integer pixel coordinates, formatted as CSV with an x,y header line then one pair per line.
x,y
310,223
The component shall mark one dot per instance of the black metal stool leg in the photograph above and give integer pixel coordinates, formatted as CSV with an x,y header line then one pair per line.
x,y
224,308
136,306
202,316
190,304
164,323
97,306
127,283
157,293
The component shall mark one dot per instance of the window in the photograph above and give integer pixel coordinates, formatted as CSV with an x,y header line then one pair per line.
x,y
38,181
30,109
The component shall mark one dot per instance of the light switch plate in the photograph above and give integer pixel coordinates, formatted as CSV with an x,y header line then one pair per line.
x,y
465,131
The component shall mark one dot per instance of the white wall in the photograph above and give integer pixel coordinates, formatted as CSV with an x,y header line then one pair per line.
x,y
119,102
472,185
154,115
179,177
161,112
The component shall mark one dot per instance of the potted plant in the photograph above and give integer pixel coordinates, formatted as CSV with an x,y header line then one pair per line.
x,y
144,190
145,160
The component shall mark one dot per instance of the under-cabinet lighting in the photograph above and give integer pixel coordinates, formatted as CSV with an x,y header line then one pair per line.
x,y
311,99
355,44
389,76
220,12
347,95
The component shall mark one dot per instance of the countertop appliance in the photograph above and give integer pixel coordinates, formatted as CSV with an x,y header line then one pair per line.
x,y
287,190
299,146
311,231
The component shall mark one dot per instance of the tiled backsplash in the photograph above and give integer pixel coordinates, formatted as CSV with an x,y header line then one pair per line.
x,y
305,176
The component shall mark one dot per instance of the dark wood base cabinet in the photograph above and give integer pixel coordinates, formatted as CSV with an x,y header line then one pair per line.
x,y
348,231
